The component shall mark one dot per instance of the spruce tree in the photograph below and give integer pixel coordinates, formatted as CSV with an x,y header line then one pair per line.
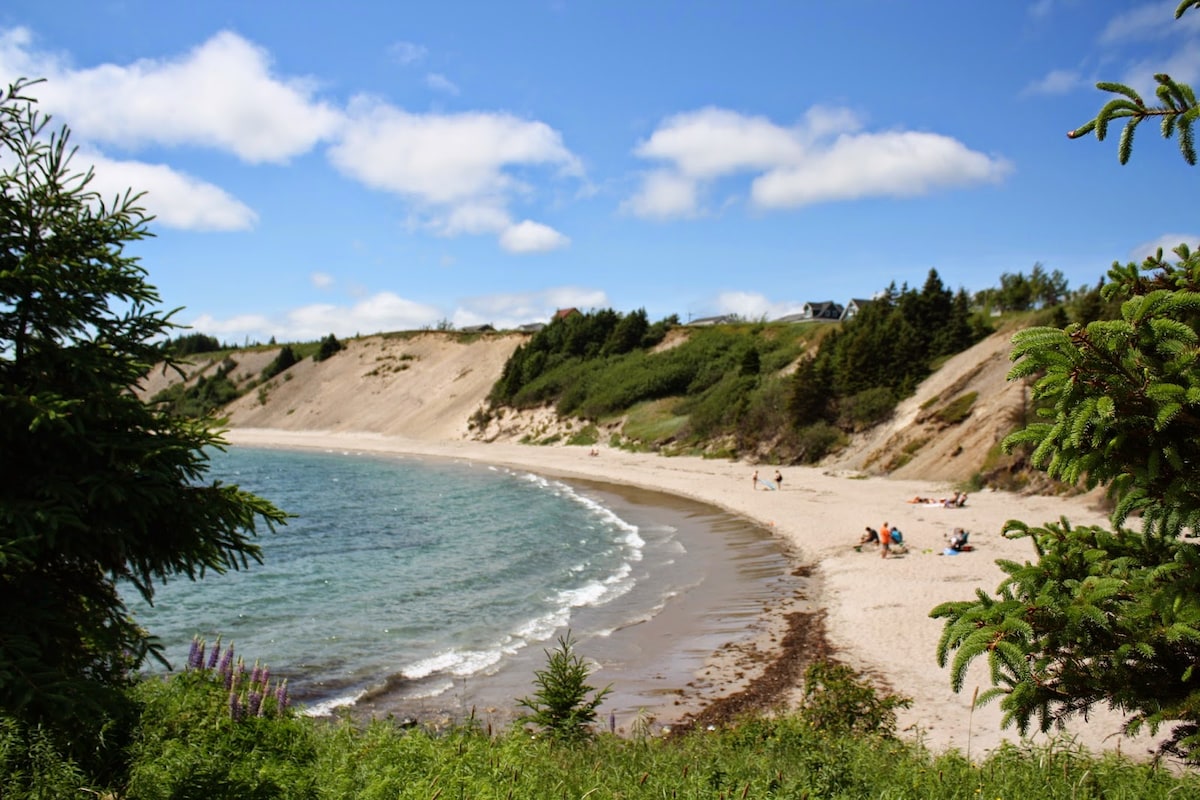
x,y
98,490
1107,617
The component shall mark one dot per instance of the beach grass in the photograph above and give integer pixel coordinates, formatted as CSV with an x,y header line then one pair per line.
x,y
186,745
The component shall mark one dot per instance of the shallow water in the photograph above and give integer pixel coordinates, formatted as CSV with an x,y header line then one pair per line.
x,y
407,581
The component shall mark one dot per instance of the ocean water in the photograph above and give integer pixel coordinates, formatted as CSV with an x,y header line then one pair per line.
x,y
405,580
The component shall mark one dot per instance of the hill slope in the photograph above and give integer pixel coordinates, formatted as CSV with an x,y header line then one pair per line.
x,y
426,386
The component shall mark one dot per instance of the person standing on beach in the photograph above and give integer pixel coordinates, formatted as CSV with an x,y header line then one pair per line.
x,y
778,480
754,481
885,540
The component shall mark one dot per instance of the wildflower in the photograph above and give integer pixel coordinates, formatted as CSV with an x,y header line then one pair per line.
x,y
254,703
281,698
226,668
215,654
195,657
235,707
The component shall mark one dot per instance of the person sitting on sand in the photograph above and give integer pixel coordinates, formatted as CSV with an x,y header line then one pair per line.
x,y
870,537
958,540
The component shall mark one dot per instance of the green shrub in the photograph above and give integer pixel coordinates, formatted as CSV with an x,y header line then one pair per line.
x,y
958,409
838,702
866,408
285,359
585,436
817,441
561,706
329,346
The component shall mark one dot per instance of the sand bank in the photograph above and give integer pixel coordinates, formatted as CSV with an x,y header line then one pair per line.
x,y
876,611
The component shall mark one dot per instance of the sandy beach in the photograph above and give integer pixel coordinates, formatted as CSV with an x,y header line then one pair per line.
x,y
875,611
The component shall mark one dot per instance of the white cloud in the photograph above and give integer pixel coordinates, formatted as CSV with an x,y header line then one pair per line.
x,y
665,195
380,312
1059,81
519,308
1167,242
438,158
753,306
532,237
1150,21
824,158
458,169
1183,66
407,52
322,280
714,142
236,329
387,311
176,200
874,165
472,218
440,83
220,95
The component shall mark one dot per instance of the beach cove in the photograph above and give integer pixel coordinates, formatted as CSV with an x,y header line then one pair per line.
x,y
873,613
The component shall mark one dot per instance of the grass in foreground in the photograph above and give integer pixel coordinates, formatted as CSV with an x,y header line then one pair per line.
x,y
187,744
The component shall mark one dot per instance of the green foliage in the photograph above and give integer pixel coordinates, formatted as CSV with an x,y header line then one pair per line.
x,y
191,747
1021,292
1177,111
191,343
858,375
838,702
957,409
186,745
287,358
1102,618
587,435
561,706
814,442
106,489
1106,618
329,346
204,396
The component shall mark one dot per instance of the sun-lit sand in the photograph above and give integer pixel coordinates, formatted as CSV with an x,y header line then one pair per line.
x,y
876,610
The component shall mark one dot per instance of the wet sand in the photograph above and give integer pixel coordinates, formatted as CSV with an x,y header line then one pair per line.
x,y
869,612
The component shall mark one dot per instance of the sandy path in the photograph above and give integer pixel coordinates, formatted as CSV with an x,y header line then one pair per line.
x,y
877,610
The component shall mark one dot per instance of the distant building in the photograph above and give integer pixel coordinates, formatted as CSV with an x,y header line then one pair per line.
x,y
563,313
824,311
484,328
853,307
790,318
532,327
724,319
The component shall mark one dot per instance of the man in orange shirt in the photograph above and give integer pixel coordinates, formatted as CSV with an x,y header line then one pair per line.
x,y
885,540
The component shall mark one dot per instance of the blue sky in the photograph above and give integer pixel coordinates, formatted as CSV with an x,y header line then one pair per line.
x,y
358,167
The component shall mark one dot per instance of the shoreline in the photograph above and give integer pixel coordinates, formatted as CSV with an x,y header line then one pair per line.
x,y
871,612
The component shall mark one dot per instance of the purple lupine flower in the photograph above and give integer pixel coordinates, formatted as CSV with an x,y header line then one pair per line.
x,y
226,668
235,706
255,673
195,653
264,677
281,698
215,654
254,703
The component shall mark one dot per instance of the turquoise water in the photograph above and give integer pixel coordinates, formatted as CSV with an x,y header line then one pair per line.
x,y
406,578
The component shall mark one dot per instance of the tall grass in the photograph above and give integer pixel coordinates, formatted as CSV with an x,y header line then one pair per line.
x,y
187,745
